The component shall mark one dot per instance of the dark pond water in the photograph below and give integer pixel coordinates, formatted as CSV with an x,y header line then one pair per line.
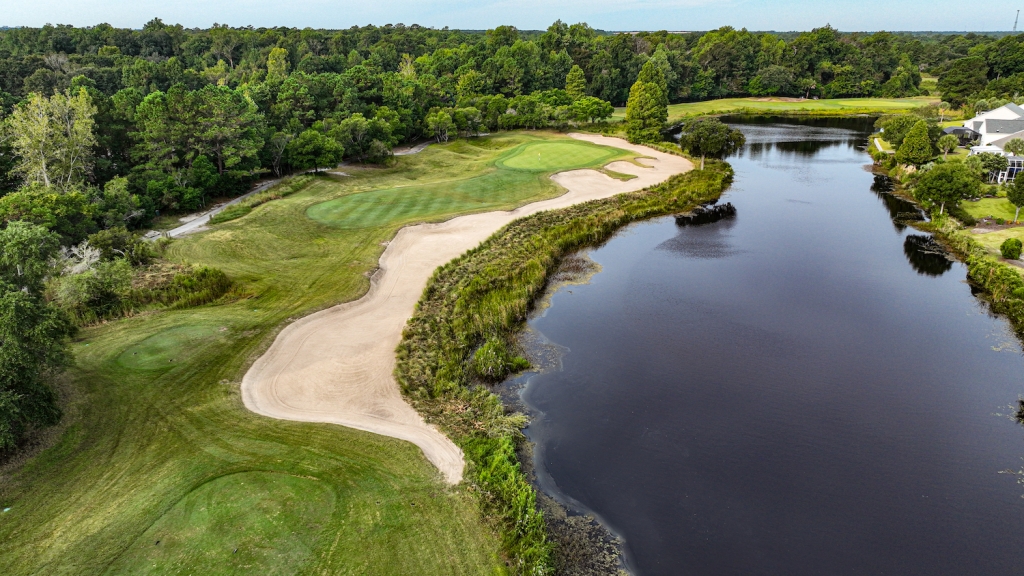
x,y
806,388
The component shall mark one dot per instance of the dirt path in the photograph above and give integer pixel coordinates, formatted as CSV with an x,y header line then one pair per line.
x,y
336,365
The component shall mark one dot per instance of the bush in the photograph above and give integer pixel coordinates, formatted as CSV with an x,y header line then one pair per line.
x,y
494,361
1010,248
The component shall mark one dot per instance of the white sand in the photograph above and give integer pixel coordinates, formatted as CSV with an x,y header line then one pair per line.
x,y
336,365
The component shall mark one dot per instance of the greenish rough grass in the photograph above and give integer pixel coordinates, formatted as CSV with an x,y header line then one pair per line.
x,y
992,240
517,174
157,443
838,106
995,207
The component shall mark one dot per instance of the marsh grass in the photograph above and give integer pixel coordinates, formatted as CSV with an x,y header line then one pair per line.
x,y
483,298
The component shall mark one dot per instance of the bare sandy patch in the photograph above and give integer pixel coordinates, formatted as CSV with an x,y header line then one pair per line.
x,y
336,365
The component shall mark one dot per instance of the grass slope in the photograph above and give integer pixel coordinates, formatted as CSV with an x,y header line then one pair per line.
x,y
998,207
158,446
839,106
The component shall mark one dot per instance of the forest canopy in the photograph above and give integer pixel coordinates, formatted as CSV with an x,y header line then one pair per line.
x,y
188,114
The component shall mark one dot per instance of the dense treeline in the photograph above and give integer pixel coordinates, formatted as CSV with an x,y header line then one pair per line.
x,y
186,114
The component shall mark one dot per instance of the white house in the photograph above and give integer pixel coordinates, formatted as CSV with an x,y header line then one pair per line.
x,y
999,126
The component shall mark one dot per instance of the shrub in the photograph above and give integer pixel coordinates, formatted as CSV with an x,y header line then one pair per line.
x,y
1010,248
494,361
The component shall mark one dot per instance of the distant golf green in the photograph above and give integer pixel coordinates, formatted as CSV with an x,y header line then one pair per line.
x,y
552,156
515,175
824,107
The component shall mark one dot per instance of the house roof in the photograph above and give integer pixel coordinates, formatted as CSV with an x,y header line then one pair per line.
x,y
1002,141
1004,126
960,131
1015,109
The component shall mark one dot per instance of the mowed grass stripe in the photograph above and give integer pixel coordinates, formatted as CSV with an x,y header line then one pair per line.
x,y
519,173
157,443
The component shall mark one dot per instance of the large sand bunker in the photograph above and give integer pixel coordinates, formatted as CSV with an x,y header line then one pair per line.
x,y
336,365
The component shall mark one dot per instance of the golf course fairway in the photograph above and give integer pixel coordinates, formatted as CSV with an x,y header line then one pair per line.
x,y
155,429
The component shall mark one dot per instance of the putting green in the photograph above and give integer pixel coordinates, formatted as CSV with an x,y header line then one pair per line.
x,y
235,524
161,350
557,156
515,176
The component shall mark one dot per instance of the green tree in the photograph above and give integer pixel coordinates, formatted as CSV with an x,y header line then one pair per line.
x,y
1015,147
26,252
917,146
277,64
651,72
947,144
895,128
576,83
1015,194
175,128
988,165
69,214
440,124
964,78
646,113
314,150
35,348
591,109
709,137
33,334
947,183
54,138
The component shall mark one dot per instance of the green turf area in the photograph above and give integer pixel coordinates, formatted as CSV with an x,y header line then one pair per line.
x,y
837,106
515,175
995,207
992,240
157,445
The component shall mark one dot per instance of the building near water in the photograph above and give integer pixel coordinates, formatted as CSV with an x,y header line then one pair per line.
x,y
996,127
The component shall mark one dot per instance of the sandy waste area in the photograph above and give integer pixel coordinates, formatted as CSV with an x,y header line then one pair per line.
x,y
336,365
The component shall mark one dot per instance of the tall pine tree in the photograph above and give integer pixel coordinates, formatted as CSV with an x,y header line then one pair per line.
x,y
576,83
916,148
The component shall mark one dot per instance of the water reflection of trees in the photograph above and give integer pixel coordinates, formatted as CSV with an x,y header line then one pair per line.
x,y
900,210
927,256
804,148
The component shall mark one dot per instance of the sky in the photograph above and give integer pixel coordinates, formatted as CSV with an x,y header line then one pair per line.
x,y
613,15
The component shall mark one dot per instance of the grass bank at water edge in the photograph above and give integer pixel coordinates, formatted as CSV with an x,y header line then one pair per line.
x,y
1002,284
461,338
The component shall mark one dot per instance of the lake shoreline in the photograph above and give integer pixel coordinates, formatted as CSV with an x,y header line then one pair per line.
x,y
484,297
